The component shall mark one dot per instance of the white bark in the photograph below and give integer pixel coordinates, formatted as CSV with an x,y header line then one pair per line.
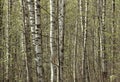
x,y
32,19
84,55
23,40
81,17
52,33
75,51
7,40
61,37
28,48
38,41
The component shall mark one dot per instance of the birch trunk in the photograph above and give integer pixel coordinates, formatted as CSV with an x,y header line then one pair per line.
x,y
23,47
76,45
75,52
38,42
113,37
100,39
7,53
61,37
1,39
104,54
28,44
31,18
84,58
7,40
52,39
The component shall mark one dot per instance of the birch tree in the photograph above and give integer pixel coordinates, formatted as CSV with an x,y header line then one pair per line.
x,y
31,18
113,35
99,36
73,41
7,39
61,37
28,44
24,13
52,38
38,41
1,39
84,55
76,45
104,52
7,53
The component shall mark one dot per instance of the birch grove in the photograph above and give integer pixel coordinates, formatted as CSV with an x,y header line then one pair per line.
x,y
59,40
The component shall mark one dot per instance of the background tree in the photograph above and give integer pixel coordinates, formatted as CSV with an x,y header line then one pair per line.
x,y
77,39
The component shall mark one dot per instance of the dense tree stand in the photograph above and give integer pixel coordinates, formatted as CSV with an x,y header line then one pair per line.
x,y
59,41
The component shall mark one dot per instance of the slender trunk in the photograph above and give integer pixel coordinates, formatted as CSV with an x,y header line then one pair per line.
x,y
7,41
75,52
113,36
1,40
7,53
57,24
28,44
25,72
75,46
31,18
61,37
104,54
81,15
84,58
100,38
53,39
38,42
